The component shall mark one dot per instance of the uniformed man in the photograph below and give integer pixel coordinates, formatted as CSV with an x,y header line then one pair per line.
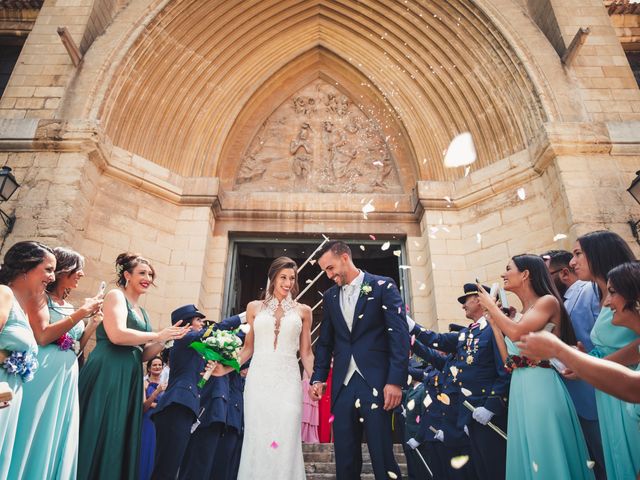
x,y
477,370
179,407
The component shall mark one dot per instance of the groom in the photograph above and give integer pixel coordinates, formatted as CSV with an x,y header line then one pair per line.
x,y
364,329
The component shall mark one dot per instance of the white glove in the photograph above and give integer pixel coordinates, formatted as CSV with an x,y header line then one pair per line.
x,y
466,430
482,415
439,435
413,443
243,317
411,323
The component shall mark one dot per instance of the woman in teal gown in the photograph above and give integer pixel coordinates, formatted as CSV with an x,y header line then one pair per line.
x,y
111,380
27,267
595,254
545,437
49,419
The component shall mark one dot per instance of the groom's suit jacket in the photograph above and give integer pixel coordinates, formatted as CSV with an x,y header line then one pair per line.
x,y
378,340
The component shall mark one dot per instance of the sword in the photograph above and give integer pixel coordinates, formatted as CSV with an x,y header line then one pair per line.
x,y
490,424
423,461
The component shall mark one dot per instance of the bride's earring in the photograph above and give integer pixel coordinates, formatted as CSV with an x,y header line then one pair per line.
x,y
126,282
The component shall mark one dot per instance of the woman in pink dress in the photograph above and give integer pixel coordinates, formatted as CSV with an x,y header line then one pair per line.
x,y
310,414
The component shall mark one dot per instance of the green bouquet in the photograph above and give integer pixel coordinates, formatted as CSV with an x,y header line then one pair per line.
x,y
221,346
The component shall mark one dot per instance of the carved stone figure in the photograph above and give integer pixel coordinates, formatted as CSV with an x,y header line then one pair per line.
x,y
301,150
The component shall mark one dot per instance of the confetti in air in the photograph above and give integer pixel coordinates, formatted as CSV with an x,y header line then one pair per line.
x,y
461,151
444,398
460,461
404,267
559,236
392,475
535,467
422,286
331,419
397,253
362,247
478,238
374,406
409,380
521,193
367,209
427,401
590,464
411,404
372,237
385,246
357,403
375,392
361,420
381,282
465,392
418,419
274,445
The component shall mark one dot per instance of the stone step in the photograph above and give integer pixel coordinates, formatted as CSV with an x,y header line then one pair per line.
x,y
330,467
330,456
328,447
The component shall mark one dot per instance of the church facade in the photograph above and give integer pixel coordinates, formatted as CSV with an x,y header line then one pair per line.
x,y
189,130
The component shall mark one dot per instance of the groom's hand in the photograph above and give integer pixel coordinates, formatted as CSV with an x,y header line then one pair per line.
x,y
317,390
392,396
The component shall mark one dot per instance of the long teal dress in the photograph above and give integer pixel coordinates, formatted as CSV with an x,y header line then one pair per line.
x,y
545,438
16,336
619,431
111,407
50,416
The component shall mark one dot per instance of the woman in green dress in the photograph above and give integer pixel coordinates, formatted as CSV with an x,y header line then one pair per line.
x,y
545,437
594,256
111,380
27,269
49,419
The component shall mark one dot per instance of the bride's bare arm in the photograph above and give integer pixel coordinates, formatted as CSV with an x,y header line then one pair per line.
x,y
247,349
306,353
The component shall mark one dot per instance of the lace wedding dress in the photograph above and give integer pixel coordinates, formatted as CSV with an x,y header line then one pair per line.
x,y
272,447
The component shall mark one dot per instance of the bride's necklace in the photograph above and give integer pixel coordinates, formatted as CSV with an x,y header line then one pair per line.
x,y
287,304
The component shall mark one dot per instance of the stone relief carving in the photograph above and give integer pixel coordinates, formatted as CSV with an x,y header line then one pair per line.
x,y
319,140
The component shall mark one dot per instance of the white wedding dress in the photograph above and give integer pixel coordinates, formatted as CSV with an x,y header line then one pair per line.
x,y
272,446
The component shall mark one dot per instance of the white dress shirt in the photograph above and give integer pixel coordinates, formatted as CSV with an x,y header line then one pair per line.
x,y
348,298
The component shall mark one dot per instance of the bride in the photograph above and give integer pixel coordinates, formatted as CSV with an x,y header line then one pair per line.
x,y
280,327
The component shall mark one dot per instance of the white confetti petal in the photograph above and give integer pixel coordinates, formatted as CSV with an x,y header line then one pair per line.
x,y
411,404
362,247
590,464
478,237
397,252
381,282
427,401
559,236
368,208
521,193
375,392
465,392
385,246
357,403
460,461
361,420
461,151
392,475
422,286
404,267
535,467
409,380
374,406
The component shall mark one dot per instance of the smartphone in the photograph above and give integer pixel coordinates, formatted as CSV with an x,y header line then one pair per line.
x,y
494,290
549,327
504,301
102,288
558,365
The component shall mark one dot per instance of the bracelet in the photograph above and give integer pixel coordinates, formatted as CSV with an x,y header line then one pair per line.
x,y
71,320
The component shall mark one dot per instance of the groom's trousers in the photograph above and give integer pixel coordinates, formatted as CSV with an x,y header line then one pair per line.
x,y
350,423
173,431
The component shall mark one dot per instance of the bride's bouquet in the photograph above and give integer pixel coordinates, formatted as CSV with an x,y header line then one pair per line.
x,y
221,346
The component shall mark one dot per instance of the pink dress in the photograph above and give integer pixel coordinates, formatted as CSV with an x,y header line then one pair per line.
x,y
309,414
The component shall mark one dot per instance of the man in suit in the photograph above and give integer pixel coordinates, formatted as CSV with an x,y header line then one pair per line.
x,y
475,365
364,330
179,407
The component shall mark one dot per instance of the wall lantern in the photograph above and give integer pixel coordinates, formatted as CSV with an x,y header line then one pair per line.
x,y
8,185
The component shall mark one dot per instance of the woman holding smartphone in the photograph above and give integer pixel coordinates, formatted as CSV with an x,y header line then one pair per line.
x,y
545,438
49,419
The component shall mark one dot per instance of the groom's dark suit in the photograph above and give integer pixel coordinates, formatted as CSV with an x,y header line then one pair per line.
x,y
379,343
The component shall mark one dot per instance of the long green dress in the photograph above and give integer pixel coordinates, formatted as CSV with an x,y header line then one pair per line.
x,y
619,431
49,416
111,407
545,438
16,336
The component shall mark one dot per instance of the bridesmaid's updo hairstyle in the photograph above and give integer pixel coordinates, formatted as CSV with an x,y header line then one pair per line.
x,y
126,262
277,265
21,258
68,262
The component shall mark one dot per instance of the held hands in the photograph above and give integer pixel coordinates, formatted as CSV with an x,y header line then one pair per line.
x,y
482,415
392,396
316,391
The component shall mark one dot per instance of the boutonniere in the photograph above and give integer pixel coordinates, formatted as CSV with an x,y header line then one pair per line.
x,y
365,289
